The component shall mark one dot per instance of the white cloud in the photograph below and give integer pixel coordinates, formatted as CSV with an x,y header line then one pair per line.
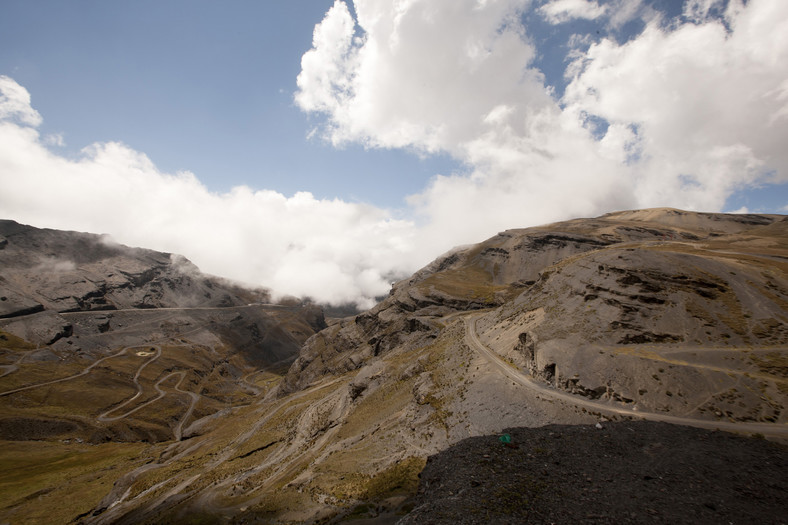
x,y
707,103
623,11
327,249
405,83
694,111
698,10
15,103
55,265
54,139
560,11
326,80
678,116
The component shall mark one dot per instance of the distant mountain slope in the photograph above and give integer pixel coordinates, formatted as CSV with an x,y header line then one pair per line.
x,y
46,269
89,328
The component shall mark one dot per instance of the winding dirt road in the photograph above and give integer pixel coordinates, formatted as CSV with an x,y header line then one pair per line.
x,y
140,389
13,367
209,498
69,378
472,339
105,416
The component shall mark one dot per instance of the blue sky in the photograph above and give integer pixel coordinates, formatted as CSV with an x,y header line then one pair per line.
x,y
326,148
196,85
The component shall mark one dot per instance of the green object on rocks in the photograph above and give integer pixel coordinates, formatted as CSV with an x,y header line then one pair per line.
x,y
505,439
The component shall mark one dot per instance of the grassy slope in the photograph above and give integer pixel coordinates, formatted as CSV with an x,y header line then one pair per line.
x,y
52,482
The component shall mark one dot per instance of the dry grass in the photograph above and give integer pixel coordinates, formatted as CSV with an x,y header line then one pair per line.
x,y
348,485
85,396
467,282
51,482
382,404
39,372
13,343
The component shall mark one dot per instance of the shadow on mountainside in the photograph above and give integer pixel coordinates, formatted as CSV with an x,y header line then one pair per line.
x,y
625,472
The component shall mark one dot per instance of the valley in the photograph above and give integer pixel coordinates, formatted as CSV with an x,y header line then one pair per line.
x,y
180,398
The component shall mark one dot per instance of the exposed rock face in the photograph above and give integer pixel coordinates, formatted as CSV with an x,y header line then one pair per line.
x,y
70,271
650,277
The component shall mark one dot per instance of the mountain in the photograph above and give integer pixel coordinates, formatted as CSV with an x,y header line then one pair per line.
x,y
93,332
70,272
648,308
657,315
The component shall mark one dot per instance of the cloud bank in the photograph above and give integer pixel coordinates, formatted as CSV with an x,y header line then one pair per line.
x,y
326,249
684,113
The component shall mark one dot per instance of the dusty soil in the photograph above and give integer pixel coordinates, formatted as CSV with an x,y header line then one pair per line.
x,y
625,472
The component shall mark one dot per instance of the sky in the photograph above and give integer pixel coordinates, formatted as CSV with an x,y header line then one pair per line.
x,y
327,148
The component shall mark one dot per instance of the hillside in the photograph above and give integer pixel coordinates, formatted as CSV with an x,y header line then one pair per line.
x,y
660,315
105,347
627,472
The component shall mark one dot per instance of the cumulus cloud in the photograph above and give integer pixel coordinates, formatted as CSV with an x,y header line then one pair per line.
x,y
559,11
329,250
681,115
404,81
706,104
15,103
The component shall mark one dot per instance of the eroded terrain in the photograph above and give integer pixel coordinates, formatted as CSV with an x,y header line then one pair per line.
x,y
655,315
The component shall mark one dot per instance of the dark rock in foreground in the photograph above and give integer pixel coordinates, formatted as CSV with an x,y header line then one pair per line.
x,y
626,472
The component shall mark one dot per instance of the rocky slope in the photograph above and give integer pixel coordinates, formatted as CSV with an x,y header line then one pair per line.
x,y
102,342
630,472
600,306
70,271
655,314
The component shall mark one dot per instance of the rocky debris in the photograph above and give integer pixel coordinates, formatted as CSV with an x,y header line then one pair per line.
x,y
624,472
423,388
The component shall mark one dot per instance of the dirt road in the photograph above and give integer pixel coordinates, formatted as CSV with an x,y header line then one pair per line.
x,y
524,380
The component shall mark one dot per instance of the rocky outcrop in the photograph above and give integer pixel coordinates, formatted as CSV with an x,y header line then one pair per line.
x,y
43,328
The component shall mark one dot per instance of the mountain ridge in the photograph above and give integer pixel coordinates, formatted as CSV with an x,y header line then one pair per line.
x,y
640,314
